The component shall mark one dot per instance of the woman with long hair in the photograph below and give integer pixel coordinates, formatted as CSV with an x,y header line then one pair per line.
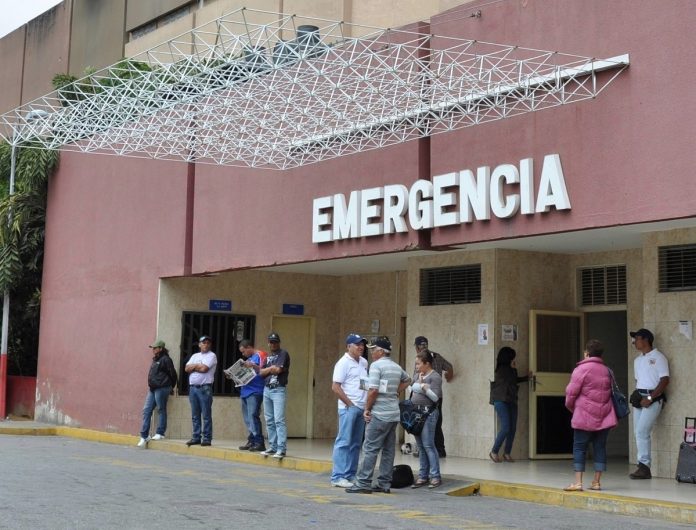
x,y
504,391
426,391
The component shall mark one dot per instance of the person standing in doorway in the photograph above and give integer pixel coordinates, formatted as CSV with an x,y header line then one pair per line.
x,y
252,396
651,371
588,397
160,380
504,399
386,380
275,374
350,385
201,369
443,367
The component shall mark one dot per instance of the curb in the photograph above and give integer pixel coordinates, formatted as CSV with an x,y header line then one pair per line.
x,y
598,501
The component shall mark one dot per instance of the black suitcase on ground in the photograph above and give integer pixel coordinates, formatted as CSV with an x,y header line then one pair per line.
x,y
402,476
686,465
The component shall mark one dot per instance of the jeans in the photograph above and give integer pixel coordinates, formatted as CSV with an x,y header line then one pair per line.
x,y
643,421
159,397
201,400
251,412
427,452
581,439
507,415
379,435
274,412
346,451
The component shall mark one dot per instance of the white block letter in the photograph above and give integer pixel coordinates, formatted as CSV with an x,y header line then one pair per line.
x,y
473,195
370,212
321,220
443,199
346,220
502,206
420,208
527,186
395,201
552,188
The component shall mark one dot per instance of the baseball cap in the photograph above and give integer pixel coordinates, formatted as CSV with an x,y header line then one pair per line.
x,y
204,338
354,338
420,340
274,337
643,333
383,343
157,344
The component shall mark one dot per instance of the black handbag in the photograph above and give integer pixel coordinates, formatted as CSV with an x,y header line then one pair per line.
x,y
635,399
412,417
618,398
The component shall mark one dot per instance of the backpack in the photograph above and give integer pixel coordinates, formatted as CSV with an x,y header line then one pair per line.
x,y
402,476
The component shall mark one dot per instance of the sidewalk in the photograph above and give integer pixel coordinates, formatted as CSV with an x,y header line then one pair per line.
x,y
532,481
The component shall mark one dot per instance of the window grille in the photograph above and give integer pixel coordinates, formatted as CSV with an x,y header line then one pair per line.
x,y
451,285
227,331
604,285
677,268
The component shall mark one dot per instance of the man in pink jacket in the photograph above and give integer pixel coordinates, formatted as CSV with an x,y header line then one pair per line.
x,y
588,397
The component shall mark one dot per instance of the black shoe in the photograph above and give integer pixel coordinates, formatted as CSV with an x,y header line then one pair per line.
x,y
205,443
193,442
379,489
641,472
246,447
358,489
257,448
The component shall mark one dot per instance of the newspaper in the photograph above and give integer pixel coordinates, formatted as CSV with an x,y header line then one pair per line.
x,y
240,374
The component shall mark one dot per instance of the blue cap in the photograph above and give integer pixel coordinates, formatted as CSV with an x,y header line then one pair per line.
x,y
354,338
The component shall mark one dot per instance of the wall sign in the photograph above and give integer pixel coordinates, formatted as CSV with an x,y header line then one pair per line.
x,y
293,309
450,199
220,305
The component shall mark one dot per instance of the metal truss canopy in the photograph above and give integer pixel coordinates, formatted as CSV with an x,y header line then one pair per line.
x,y
269,90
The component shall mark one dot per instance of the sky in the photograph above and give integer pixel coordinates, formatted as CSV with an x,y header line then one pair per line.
x,y
16,13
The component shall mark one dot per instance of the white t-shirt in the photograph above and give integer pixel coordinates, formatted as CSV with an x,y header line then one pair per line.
x,y
352,376
649,368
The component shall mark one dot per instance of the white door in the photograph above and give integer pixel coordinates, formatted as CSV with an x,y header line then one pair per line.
x,y
297,337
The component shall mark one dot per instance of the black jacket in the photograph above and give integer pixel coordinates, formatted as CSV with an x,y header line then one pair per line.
x,y
162,372
504,386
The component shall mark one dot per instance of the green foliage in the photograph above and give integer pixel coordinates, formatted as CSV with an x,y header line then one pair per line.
x,y
21,249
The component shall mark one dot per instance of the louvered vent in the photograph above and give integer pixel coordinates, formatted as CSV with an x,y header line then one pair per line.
x,y
677,268
451,285
603,285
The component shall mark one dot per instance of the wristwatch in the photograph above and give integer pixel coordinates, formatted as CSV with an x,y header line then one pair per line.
x,y
649,397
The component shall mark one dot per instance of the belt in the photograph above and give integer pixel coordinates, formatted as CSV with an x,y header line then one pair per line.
x,y
648,391
205,384
645,390
274,385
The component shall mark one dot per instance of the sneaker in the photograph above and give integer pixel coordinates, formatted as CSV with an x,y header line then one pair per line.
x,y
268,452
245,447
279,455
158,437
343,483
257,448
142,442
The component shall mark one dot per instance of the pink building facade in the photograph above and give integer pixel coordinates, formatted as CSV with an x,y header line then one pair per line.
x,y
131,244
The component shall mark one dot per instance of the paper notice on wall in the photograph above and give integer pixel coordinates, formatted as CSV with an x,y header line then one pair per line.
x,y
685,328
509,332
483,334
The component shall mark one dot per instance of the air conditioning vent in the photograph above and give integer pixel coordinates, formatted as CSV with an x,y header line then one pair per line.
x,y
677,266
451,285
603,285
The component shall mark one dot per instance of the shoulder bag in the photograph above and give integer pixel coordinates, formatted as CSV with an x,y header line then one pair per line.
x,y
412,417
619,400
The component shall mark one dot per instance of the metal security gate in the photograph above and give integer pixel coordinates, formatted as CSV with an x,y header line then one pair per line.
x,y
227,331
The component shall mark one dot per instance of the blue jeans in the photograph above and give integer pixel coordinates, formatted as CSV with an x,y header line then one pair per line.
x,y
346,451
507,415
201,400
427,452
251,412
274,412
643,422
581,439
379,436
159,397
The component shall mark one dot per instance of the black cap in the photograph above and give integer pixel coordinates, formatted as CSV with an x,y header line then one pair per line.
x,y
204,338
643,333
382,343
274,337
421,340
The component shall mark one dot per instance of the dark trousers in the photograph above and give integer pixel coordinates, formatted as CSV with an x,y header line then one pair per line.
x,y
439,437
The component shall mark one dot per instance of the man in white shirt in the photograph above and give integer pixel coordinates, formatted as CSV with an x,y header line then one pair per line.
x,y
651,371
350,385
201,370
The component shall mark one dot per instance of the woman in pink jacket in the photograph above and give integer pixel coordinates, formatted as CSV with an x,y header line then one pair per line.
x,y
588,397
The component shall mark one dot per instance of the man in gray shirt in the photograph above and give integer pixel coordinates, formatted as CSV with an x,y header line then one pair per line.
x,y
386,381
